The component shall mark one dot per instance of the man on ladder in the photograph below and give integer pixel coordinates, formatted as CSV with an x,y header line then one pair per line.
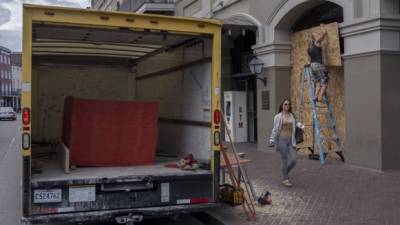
x,y
320,73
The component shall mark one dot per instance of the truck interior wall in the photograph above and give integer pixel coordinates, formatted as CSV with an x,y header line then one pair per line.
x,y
184,95
52,83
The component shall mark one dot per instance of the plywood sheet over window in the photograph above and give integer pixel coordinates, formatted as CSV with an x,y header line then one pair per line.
x,y
330,45
299,58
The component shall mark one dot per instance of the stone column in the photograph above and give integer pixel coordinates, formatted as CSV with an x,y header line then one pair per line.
x,y
277,71
372,81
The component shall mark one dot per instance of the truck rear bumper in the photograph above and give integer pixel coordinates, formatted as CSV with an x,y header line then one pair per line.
x,y
111,214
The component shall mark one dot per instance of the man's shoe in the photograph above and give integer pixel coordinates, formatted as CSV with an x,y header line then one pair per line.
x,y
287,183
315,98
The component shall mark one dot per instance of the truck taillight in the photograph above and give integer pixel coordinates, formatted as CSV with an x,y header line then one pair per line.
x,y
26,141
26,116
217,138
217,116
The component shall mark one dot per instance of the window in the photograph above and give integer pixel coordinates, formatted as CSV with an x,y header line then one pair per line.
x,y
1,73
1,58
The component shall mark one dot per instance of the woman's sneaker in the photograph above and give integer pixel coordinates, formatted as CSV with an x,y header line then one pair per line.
x,y
287,183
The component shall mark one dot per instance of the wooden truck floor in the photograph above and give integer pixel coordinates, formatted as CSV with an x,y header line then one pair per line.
x,y
53,171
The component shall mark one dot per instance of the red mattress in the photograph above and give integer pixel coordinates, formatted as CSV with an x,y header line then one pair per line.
x,y
110,133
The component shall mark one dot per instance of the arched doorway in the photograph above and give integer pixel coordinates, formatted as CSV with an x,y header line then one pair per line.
x,y
295,16
289,12
240,32
327,13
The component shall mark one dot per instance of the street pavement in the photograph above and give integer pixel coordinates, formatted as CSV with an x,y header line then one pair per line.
x,y
10,143
333,194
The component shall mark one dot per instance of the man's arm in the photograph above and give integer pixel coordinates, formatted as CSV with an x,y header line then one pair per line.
x,y
323,34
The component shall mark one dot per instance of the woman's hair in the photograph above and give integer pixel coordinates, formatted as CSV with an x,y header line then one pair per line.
x,y
281,105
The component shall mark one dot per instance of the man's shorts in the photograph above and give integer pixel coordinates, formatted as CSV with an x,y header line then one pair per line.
x,y
320,73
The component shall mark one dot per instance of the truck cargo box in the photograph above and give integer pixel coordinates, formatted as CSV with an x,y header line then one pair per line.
x,y
108,62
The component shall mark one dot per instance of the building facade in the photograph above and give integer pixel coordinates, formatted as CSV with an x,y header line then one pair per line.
x,y
370,49
16,71
5,77
165,7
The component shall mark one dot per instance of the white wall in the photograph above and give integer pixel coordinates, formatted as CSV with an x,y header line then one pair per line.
x,y
51,84
183,95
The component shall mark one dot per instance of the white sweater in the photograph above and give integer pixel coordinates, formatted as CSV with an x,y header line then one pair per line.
x,y
278,120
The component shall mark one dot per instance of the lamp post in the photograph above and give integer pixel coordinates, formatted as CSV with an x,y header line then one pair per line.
x,y
256,66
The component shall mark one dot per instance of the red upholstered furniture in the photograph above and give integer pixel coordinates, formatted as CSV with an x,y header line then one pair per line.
x,y
110,133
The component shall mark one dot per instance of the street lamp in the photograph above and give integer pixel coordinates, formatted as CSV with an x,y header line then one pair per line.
x,y
256,66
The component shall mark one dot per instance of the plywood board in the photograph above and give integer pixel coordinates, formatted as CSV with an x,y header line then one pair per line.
x,y
299,58
330,45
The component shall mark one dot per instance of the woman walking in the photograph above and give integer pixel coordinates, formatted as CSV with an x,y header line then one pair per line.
x,y
283,136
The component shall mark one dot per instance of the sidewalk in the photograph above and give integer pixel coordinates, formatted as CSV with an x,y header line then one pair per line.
x,y
333,194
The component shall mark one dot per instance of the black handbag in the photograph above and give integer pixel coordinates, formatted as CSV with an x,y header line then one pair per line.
x,y
299,135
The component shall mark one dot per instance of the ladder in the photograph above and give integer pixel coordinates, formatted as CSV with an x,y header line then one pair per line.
x,y
242,177
316,126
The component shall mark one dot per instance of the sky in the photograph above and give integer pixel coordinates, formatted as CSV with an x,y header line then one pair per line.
x,y
11,19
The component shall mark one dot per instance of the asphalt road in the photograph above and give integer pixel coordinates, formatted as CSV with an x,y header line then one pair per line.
x,y
10,143
10,169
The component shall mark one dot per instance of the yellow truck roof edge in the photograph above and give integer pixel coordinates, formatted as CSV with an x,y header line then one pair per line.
x,y
86,10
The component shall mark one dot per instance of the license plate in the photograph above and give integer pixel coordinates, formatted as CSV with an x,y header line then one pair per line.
x,y
47,196
82,194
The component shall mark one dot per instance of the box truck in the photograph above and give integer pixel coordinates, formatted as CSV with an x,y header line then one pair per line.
x,y
119,56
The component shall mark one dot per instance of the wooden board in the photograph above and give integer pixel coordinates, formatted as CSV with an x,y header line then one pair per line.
x,y
299,58
330,45
63,155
